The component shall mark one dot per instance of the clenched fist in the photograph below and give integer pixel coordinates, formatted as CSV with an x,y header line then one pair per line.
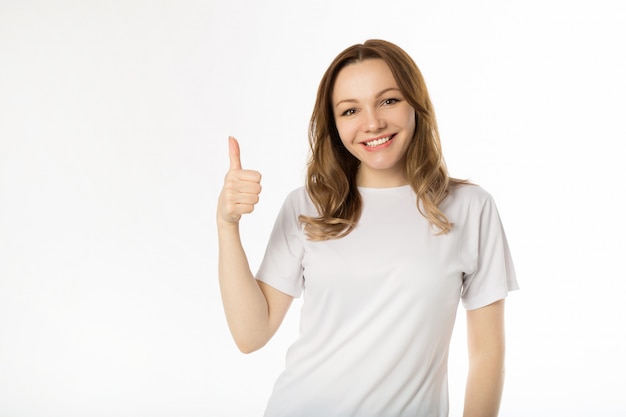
x,y
241,188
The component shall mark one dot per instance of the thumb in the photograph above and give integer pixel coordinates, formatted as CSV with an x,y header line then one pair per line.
x,y
233,153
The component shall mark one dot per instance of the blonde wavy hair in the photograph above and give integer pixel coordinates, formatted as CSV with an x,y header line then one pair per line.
x,y
331,170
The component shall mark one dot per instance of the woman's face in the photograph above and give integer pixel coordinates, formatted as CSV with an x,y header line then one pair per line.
x,y
374,121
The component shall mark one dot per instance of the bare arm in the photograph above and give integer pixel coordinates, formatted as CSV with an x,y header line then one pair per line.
x,y
486,346
253,310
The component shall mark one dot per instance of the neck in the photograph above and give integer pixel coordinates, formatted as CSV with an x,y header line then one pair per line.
x,y
380,179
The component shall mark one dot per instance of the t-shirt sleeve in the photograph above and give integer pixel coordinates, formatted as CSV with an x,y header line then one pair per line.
x,y
281,266
493,274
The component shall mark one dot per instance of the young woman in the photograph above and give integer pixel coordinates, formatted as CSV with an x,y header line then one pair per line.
x,y
384,244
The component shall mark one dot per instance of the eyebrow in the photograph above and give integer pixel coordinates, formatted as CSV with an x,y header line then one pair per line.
x,y
353,100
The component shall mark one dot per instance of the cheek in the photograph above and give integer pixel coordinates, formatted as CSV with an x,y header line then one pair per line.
x,y
411,122
348,144
345,132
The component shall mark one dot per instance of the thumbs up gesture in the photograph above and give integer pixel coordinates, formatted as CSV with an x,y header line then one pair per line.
x,y
241,188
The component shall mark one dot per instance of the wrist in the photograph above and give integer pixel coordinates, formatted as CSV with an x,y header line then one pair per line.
x,y
223,224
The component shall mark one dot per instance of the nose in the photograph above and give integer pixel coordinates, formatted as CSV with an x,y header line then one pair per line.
x,y
374,121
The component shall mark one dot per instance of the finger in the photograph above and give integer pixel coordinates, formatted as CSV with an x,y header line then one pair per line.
x,y
246,208
246,187
233,210
247,199
243,208
234,153
245,175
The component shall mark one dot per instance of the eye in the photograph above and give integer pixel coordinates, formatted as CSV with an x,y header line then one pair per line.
x,y
390,101
349,112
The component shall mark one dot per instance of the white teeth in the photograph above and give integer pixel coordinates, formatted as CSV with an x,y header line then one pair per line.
x,y
377,142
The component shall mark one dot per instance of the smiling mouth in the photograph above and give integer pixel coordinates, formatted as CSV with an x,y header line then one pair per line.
x,y
378,142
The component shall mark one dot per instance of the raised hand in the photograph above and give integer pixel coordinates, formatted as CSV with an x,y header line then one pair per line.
x,y
241,188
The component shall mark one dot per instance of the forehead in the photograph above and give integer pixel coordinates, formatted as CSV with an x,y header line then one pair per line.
x,y
360,79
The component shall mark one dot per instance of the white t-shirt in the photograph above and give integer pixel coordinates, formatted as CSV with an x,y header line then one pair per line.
x,y
380,303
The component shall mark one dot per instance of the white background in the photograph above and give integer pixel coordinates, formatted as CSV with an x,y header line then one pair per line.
x,y
114,118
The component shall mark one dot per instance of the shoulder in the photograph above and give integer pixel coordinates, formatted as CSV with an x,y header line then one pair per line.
x,y
466,199
297,196
299,201
467,194
297,193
